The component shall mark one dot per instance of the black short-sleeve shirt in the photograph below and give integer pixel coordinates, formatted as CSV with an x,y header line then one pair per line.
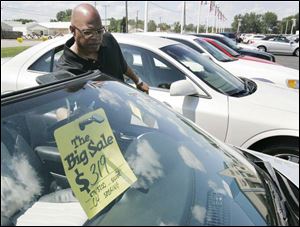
x,y
110,59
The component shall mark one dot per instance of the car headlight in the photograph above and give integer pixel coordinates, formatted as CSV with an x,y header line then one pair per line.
x,y
293,84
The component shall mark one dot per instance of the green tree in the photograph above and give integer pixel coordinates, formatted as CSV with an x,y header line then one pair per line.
x,y
152,26
64,15
250,23
177,27
288,21
114,25
190,28
269,22
24,21
164,27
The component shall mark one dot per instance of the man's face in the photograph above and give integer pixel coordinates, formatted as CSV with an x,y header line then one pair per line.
x,y
88,34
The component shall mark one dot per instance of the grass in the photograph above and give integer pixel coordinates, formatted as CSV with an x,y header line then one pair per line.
x,y
12,51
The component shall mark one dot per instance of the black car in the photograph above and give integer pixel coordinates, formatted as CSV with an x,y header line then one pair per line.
x,y
227,41
230,35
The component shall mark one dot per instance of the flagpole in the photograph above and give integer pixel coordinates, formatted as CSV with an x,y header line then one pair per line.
x,y
183,18
208,12
199,13
215,23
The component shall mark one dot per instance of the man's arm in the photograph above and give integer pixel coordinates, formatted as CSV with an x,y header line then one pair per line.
x,y
139,83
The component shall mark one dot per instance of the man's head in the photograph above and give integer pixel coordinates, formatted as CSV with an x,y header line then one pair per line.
x,y
86,27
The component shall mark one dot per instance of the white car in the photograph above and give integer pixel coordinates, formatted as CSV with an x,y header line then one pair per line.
x,y
273,73
245,46
247,39
277,44
243,113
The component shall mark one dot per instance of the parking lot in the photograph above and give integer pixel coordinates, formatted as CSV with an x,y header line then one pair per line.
x,y
288,61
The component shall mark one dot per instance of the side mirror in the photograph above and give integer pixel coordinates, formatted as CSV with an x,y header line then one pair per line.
x,y
183,88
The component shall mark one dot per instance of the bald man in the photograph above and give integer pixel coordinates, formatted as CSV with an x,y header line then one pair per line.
x,y
91,48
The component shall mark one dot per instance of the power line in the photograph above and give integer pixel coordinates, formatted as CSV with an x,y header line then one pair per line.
x,y
28,12
164,8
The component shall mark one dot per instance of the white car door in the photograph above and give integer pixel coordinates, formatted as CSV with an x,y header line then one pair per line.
x,y
283,45
209,110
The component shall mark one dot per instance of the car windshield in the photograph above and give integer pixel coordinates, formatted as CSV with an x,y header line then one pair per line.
x,y
231,43
228,49
205,69
220,56
183,176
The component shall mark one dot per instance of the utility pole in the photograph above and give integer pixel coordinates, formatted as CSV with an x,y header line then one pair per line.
x,y
126,19
183,18
137,20
287,22
146,17
239,24
294,23
105,6
95,3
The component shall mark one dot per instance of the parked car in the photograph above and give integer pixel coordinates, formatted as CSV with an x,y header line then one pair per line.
x,y
239,49
277,44
248,39
232,53
184,176
277,74
294,38
246,113
230,35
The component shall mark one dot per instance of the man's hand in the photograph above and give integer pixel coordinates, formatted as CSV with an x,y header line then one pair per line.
x,y
143,87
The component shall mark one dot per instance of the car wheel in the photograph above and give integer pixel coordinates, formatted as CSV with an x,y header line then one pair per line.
x,y
262,48
282,147
296,53
284,151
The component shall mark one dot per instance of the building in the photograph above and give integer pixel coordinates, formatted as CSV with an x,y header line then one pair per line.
x,y
6,27
49,28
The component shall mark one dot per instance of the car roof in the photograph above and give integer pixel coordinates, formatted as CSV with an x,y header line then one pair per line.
x,y
143,41
211,34
171,35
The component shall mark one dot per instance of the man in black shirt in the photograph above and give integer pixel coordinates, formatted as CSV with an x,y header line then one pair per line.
x,y
90,48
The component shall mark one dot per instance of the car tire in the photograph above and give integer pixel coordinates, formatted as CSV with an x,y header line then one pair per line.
x,y
285,149
296,52
262,48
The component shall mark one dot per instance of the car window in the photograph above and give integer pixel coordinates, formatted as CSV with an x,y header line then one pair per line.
x,y
191,45
215,52
43,64
212,74
282,39
228,49
152,68
46,62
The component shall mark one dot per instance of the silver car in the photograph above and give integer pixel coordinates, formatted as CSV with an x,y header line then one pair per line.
x,y
277,44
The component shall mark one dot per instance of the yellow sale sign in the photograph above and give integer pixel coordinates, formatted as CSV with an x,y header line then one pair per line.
x,y
93,162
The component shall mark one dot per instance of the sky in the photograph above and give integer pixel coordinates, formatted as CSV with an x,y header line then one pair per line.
x,y
159,11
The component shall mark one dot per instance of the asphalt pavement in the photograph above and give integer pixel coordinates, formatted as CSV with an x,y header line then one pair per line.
x,y
288,61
